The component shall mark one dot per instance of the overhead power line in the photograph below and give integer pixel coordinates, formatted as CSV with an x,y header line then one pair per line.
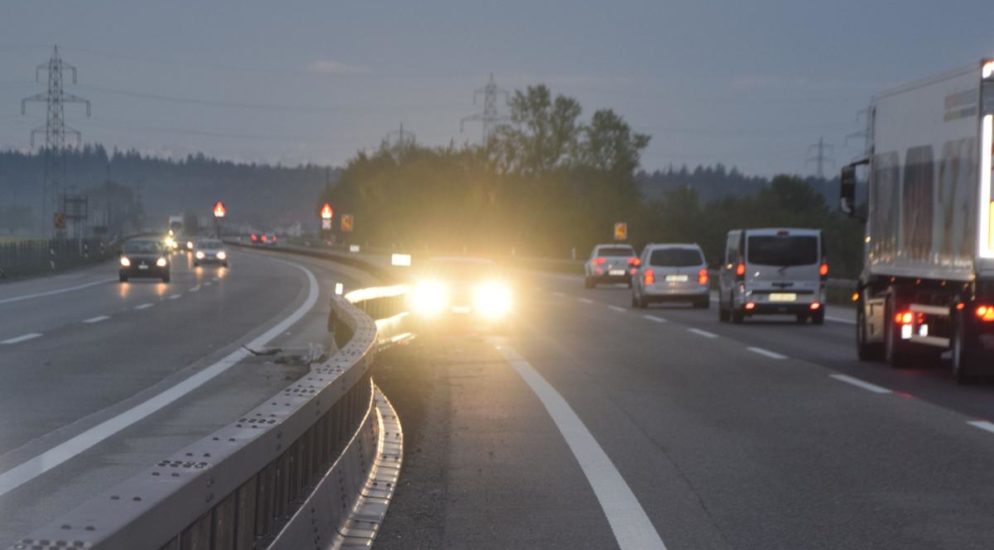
x,y
490,117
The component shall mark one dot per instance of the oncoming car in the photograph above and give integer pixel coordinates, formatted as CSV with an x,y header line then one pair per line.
x,y
610,263
209,251
468,291
143,258
671,272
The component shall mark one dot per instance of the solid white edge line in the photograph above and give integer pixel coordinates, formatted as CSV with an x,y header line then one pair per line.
x,y
617,308
175,296
631,526
56,291
983,425
767,353
839,320
96,319
703,333
21,338
34,467
654,319
860,384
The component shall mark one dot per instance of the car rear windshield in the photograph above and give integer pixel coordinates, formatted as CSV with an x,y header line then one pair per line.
x,y
676,257
783,250
141,247
615,251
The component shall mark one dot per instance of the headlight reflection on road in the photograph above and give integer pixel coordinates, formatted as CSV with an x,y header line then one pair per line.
x,y
492,300
430,298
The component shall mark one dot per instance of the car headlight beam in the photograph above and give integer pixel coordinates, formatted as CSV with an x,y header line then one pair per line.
x,y
429,298
161,262
199,254
492,300
222,255
125,262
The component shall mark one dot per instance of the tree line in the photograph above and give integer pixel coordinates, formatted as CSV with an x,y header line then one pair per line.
x,y
550,181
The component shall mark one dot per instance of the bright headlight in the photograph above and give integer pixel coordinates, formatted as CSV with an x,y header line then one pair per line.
x,y
189,245
170,242
161,262
221,255
125,262
429,298
492,299
199,255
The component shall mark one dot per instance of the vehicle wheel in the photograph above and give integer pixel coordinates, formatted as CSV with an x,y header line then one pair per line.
x,y
703,303
963,359
737,316
588,282
818,317
865,350
122,277
196,264
643,302
895,352
635,301
723,315
165,278
225,264
802,318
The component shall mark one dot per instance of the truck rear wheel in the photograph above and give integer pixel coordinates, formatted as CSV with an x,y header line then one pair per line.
x,y
865,350
964,359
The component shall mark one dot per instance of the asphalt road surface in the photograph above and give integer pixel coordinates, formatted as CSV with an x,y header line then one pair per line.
x,y
594,425
101,379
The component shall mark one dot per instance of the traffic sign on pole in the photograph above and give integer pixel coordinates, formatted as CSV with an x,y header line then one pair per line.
x,y
621,231
347,223
327,212
219,210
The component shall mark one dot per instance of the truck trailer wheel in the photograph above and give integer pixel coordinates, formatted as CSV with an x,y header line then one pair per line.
x,y
865,350
964,359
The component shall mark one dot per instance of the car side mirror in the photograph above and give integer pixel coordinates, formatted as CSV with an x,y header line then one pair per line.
x,y
847,190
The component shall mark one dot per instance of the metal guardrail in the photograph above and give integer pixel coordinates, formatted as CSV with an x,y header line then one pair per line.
x,y
26,258
242,487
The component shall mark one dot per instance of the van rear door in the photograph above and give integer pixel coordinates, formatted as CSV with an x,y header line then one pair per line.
x,y
784,263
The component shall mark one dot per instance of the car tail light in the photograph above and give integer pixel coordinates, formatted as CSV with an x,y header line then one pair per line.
x,y
702,276
815,306
750,306
649,277
254,237
740,270
985,313
904,318
599,261
265,239
823,270
634,262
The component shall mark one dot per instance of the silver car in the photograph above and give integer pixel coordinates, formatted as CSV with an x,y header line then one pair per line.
x,y
780,270
610,263
671,272
209,251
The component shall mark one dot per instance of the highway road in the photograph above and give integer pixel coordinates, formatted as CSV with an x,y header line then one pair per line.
x,y
101,379
595,425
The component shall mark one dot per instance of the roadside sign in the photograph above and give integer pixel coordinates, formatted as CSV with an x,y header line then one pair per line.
x,y
59,220
327,212
219,210
347,222
326,224
621,231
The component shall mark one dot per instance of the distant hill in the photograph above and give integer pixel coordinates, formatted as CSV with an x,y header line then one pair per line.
x,y
259,194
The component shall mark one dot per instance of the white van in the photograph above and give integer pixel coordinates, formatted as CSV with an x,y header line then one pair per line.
x,y
778,270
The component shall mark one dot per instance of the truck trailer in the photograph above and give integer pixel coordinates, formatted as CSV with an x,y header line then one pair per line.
x,y
927,284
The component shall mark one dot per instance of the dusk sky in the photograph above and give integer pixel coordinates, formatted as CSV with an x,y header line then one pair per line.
x,y
748,84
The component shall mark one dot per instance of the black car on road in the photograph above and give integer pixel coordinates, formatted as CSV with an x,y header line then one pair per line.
x,y
144,258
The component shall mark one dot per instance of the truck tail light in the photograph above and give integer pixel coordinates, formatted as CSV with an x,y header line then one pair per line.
x,y
740,270
904,318
750,306
649,277
815,306
985,313
702,277
823,270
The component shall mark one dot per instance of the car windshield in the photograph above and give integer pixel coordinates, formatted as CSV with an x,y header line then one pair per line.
x,y
676,257
142,247
210,245
460,268
613,251
783,250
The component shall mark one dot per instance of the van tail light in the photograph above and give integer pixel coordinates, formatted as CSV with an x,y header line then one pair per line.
x,y
985,313
634,262
702,277
823,271
740,271
815,306
599,261
649,277
904,318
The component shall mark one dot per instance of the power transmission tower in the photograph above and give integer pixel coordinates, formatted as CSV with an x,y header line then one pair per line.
x,y
399,140
55,129
490,117
819,157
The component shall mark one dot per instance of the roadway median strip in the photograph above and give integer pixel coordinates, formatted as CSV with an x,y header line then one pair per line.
x,y
631,526
860,384
654,319
703,333
96,319
21,338
767,353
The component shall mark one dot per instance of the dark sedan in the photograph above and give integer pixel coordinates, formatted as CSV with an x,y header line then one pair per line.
x,y
144,258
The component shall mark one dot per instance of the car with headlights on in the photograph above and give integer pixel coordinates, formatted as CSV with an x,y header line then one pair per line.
x,y
461,292
143,258
671,272
610,263
209,251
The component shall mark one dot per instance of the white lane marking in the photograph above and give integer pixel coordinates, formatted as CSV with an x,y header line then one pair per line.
x,y
839,320
34,467
703,333
96,319
144,306
21,338
629,522
175,296
859,383
57,291
768,353
215,279
208,283
194,289
654,319
618,309
585,300
982,424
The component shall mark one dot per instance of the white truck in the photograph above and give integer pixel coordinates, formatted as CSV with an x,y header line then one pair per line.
x,y
927,284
